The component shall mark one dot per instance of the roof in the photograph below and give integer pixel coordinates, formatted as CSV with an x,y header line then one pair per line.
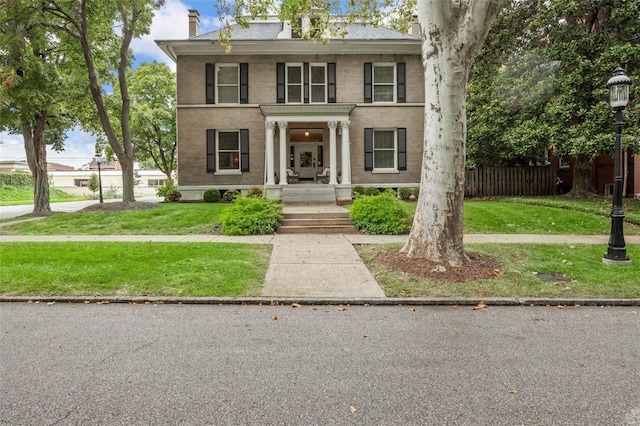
x,y
270,31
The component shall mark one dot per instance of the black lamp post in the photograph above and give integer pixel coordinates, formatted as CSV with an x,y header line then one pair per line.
x,y
618,98
98,158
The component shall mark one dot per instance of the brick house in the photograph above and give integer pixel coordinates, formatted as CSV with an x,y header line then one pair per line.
x,y
346,113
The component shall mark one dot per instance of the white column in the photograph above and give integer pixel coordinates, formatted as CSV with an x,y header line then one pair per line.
x,y
346,153
333,170
270,125
283,152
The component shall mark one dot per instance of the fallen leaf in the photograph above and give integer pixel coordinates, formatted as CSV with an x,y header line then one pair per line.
x,y
484,293
353,409
365,335
561,306
51,303
86,302
454,306
513,391
295,305
275,317
480,305
414,309
342,308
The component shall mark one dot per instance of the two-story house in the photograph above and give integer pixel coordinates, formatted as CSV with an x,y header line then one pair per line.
x,y
278,111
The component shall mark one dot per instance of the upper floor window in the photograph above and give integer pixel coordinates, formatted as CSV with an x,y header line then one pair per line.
x,y
227,83
306,83
384,82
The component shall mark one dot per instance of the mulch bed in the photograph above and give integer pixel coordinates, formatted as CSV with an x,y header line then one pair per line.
x,y
476,268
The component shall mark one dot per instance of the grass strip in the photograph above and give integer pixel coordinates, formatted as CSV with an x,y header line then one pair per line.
x,y
132,269
522,264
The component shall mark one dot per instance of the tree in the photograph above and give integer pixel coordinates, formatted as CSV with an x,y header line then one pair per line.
x,y
101,28
152,88
36,73
453,32
94,183
546,88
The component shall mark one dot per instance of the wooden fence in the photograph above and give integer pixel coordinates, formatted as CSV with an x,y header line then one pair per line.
x,y
494,181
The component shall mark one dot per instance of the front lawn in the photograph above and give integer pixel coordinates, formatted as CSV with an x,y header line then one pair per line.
x,y
132,269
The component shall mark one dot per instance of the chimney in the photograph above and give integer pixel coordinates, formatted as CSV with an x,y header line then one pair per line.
x,y
194,23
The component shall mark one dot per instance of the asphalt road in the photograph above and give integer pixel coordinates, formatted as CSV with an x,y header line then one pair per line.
x,y
201,364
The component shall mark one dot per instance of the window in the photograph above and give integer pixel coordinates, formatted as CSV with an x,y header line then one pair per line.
x,y
306,83
385,150
227,151
384,82
228,84
81,182
155,182
294,83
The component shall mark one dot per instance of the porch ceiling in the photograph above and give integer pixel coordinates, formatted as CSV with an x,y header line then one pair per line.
x,y
293,113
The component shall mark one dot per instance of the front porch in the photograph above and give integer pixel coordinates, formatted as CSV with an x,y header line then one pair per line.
x,y
310,193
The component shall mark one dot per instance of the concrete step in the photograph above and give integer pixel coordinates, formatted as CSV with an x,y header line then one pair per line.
x,y
317,223
308,194
335,229
329,221
314,215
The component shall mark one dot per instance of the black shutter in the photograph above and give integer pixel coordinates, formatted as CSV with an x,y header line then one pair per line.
x,y
402,149
244,150
244,83
280,83
368,149
402,85
305,79
210,83
331,79
368,82
211,150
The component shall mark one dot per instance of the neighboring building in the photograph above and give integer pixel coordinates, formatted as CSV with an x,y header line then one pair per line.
x,y
9,166
277,105
55,167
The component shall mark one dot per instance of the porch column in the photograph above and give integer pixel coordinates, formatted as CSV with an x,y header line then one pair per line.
x,y
283,151
268,167
346,153
333,170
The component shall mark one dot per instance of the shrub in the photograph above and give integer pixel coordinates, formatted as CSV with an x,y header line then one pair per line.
x,y
370,191
169,191
249,216
16,179
211,196
358,190
254,192
405,193
380,214
416,192
230,195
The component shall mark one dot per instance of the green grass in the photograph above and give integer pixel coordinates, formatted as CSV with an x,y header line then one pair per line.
x,y
16,195
167,219
129,269
582,263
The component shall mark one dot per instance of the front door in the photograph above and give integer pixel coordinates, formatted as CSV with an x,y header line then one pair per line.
x,y
306,159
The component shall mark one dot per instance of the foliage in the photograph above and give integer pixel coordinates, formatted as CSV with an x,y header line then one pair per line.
x,y
254,192
16,179
358,190
152,88
416,192
539,81
94,183
211,195
405,193
370,191
380,214
230,195
250,216
169,191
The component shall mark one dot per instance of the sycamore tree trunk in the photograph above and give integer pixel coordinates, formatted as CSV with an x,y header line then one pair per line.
x,y
36,150
453,32
582,178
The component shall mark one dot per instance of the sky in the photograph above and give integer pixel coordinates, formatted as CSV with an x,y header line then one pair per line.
x,y
170,22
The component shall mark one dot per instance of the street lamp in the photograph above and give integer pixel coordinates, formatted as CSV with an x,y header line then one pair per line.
x,y
618,98
98,158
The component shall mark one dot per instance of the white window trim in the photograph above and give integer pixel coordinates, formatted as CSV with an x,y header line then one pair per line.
x,y
326,83
286,82
393,169
227,65
220,171
373,82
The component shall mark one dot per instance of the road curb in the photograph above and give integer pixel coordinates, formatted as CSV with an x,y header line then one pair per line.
x,y
381,301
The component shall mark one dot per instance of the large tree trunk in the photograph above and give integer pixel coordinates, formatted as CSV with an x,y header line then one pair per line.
x,y
582,178
36,150
452,34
